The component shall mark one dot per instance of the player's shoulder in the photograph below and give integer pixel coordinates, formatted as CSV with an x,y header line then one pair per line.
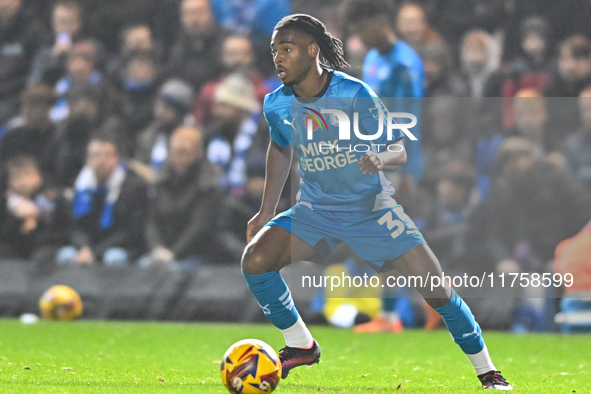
x,y
280,97
277,106
346,85
407,55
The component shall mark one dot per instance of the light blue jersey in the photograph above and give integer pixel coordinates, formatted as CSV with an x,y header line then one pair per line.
x,y
330,177
398,76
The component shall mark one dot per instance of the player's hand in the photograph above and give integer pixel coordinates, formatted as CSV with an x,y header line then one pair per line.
x,y
370,164
256,224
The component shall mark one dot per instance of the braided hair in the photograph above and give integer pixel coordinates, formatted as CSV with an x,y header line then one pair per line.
x,y
331,48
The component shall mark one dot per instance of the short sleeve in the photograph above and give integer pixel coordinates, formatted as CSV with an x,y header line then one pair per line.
x,y
274,131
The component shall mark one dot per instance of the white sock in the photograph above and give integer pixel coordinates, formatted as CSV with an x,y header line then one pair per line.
x,y
481,361
298,335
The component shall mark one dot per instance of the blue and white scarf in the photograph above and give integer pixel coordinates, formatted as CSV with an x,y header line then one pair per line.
x,y
232,158
61,109
86,186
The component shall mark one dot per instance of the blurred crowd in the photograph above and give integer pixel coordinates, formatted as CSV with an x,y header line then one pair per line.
x,y
131,130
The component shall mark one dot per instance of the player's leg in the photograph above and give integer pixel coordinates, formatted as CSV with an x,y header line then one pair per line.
x,y
270,250
420,261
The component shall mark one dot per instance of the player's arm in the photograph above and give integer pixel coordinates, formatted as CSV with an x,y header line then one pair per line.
x,y
390,159
277,169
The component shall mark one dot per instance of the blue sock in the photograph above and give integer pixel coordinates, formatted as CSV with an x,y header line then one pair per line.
x,y
274,297
461,324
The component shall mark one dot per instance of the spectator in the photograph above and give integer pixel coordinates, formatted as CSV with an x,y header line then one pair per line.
x,y
173,104
531,118
106,18
141,79
254,18
414,29
440,76
82,68
527,195
237,56
533,66
574,68
577,149
183,211
51,58
445,142
532,69
165,21
484,123
232,130
108,209
195,55
19,36
567,17
69,145
455,18
480,58
447,223
32,226
134,39
238,210
574,74
30,133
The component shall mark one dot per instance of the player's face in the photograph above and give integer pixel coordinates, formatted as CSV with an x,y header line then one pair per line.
x,y
291,55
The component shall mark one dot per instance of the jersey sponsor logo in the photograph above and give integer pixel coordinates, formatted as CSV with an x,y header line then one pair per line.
x,y
312,121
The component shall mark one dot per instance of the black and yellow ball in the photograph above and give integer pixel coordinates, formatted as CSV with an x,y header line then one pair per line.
x,y
60,302
250,366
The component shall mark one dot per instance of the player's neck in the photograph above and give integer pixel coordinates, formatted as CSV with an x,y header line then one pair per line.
x,y
386,44
312,84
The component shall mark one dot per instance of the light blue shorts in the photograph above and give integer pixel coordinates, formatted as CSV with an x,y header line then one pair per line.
x,y
375,236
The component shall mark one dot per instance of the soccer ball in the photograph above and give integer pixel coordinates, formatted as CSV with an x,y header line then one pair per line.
x,y
60,303
250,366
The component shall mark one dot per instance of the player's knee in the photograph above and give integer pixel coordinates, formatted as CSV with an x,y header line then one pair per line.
x,y
254,260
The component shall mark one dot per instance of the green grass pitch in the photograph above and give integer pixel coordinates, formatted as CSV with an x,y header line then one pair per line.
x,y
144,357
